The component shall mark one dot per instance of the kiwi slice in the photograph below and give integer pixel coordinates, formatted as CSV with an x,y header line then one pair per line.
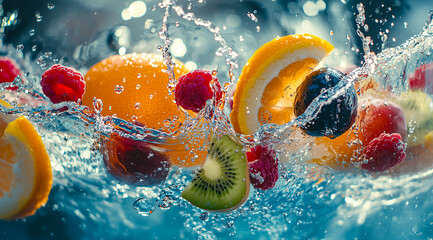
x,y
222,184
418,110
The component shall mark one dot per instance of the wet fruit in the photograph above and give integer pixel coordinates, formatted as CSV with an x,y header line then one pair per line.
x,y
25,169
60,84
267,85
422,78
375,116
134,162
383,153
379,116
263,165
418,109
195,88
223,182
9,70
134,87
334,118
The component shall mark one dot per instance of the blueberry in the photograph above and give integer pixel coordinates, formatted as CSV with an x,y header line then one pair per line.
x,y
333,119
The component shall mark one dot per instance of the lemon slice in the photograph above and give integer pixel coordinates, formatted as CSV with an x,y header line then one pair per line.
x,y
267,85
25,169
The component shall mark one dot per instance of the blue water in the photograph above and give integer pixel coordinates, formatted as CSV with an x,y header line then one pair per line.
x,y
308,202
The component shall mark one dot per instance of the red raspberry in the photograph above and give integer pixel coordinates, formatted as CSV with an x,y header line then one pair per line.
x,y
422,78
263,165
9,70
62,84
194,89
384,152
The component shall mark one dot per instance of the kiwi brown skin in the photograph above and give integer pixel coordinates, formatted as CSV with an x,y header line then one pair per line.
x,y
218,194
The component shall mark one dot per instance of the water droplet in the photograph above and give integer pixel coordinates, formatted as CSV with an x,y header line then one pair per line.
x,y
166,203
137,105
118,89
405,25
137,86
34,47
151,96
97,105
331,33
32,32
20,47
38,17
204,216
258,28
50,6
144,206
230,224
252,16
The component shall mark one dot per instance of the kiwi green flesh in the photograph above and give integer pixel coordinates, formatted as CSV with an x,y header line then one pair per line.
x,y
419,115
222,184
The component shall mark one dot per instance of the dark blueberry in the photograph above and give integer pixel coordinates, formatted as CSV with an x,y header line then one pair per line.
x,y
333,119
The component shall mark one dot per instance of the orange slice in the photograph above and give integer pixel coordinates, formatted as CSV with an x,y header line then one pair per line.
x,y
25,169
267,85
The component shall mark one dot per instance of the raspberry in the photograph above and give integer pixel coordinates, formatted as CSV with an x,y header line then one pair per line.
x,y
9,70
194,89
62,84
263,165
384,152
422,78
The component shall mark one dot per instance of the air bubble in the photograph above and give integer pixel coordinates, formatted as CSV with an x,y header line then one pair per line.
x,y
118,89
204,216
50,6
38,17
166,203
20,47
144,206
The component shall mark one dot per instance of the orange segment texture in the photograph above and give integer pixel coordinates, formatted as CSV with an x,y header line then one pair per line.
x,y
270,77
25,190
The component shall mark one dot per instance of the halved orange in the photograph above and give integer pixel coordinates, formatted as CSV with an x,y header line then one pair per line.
x,y
25,169
267,85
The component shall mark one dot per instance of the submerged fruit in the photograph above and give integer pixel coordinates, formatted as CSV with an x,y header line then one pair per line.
x,y
267,85
383,153
223,182
25,170
334,118
134,87
375,116
422,78
134,162
263,165
418,109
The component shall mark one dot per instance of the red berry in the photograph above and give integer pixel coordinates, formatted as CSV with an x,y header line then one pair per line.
x,y
195,88
384,152
62,84
422,78
9,70
263,164
378,116
134,162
